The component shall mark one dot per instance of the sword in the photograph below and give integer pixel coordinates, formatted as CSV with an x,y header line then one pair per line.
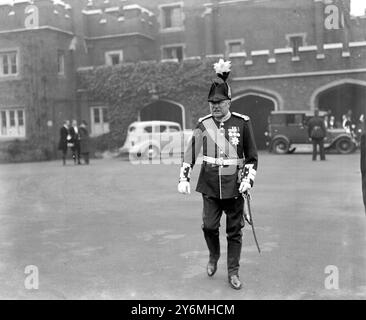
x,y
249,218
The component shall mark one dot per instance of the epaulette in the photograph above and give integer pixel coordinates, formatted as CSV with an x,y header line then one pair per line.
x,y
204,118
246,118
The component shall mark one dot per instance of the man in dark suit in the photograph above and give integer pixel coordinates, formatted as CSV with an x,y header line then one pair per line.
x,y
75,140
317,132
363,166
64,135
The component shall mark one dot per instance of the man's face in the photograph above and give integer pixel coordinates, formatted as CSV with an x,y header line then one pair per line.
x,y
67,123
74,123
219,109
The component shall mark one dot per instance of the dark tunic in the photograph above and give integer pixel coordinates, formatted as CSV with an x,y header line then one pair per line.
x,y
84,140
62,145
220,181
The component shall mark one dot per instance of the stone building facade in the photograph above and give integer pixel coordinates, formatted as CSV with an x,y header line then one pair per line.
x,y
286,54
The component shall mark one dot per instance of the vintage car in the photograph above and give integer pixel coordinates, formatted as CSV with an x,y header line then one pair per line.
x,y
152,139
288,132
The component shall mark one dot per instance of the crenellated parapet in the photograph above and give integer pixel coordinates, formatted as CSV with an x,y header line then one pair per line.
x,y
119,20
27,14
333,56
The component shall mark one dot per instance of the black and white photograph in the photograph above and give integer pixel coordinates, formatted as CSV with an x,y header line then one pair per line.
x,y
211,151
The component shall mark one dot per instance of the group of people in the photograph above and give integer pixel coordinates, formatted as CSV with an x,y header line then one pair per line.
x,y
353,127
77,139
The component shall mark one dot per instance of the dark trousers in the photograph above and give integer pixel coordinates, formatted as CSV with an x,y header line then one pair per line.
x,y
212,212
64,154
76,151
86,157
364,189
320,143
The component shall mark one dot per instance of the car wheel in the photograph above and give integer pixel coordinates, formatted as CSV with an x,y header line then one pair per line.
x,y
280,146
344,146
152,153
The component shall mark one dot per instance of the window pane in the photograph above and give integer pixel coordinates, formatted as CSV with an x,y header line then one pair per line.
x,y
295,43
12,118
96,115
173,53
115,58
13,59
5,64
173,129
60,62
3,123
278,119
105,115
167,12
235,47
3,119
20,118
176,17
148,129
172,17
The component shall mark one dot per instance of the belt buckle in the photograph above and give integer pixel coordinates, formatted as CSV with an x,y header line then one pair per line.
x,y
220,162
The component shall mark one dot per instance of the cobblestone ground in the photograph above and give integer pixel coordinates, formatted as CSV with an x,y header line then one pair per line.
x,y
114,230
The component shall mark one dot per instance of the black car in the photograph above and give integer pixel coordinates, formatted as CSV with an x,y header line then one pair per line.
x,y
288,132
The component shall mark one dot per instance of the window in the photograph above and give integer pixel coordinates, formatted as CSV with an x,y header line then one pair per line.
x,y
172,16
8,64
160,129
234,46
294,119
113,58
295,42
148,129
173,52
174,129
99,121
60,63
12,123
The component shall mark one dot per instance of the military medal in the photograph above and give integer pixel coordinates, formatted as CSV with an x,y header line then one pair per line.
x,y
234,136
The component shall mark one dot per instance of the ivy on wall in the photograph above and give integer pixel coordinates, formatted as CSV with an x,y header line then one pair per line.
x,y
126,89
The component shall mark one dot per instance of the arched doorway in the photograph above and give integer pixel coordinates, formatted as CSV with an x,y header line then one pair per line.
x,y
341,96
258,107
164,110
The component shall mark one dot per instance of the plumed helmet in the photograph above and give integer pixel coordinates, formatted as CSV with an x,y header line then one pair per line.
x,y
220,91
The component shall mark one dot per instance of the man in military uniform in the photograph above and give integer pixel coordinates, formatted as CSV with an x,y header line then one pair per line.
x,y
228,170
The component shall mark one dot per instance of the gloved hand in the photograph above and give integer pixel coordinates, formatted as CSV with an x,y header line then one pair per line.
x,y
184,187
244,187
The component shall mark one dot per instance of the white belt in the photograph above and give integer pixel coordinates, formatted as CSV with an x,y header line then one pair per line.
x,y
223,162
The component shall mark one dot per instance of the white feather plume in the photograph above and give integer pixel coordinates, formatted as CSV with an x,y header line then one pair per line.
x,y
222,66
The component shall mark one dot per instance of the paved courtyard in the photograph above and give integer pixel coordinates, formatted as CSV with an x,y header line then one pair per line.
x,y
114,230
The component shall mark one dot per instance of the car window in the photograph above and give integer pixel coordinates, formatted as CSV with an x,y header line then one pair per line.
x,y
278,119
174,129
160,129
294,119
148,129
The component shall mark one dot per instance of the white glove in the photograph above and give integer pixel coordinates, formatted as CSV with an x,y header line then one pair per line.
x,y
184,187
244,187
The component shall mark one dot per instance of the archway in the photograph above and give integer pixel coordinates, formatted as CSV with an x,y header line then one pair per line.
x,y
341,96
164,110
258,107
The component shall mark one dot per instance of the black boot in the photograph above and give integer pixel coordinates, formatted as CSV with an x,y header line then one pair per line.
x,y
213,243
